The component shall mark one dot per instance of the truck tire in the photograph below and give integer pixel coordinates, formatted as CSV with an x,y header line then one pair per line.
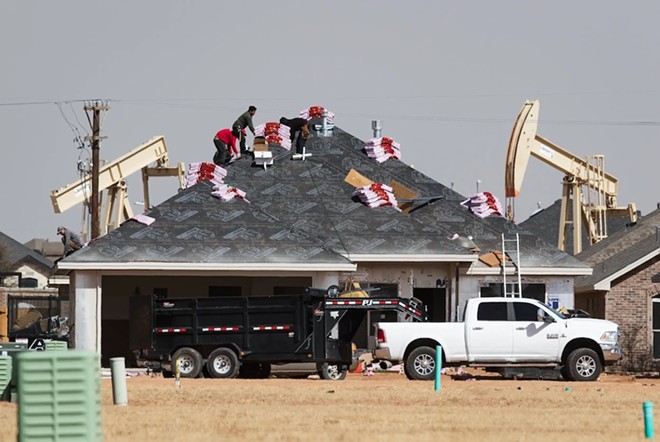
x,y
223,363
582,364
331,372
420,364
190,362
264,370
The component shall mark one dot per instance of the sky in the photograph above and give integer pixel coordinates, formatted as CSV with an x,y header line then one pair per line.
x,y
447,80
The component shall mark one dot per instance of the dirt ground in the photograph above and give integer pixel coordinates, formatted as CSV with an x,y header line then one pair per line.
x,y
384,407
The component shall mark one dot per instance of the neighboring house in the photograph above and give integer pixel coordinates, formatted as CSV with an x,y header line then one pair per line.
x,y
625,288
33,267
545,224
50,249
304,227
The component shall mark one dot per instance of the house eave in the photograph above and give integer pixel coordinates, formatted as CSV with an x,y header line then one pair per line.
x,y
184,266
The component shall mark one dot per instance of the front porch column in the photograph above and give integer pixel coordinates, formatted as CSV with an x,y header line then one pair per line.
x,y
86,309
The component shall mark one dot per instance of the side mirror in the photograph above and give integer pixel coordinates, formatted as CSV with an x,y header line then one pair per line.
x,y
548,319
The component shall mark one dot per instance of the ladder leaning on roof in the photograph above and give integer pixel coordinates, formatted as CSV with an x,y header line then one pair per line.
x,y
511,290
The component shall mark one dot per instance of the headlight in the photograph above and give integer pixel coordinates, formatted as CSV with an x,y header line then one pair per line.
x,y
609,336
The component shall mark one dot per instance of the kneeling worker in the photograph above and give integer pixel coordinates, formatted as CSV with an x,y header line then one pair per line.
x,y
71,241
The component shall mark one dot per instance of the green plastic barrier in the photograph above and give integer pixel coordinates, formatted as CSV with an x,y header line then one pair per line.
x,y
59,396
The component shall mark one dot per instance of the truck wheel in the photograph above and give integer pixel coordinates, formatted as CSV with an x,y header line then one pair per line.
x,y
332,372
222,363
190,362
582,364
420,364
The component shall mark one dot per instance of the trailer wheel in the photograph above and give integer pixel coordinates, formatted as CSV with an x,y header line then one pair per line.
x,y
190,362
331,372
222,363
420,364
582,364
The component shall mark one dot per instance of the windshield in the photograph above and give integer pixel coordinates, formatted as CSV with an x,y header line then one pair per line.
x,y
561,315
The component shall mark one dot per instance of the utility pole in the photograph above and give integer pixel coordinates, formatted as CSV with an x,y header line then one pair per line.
x,y
95,123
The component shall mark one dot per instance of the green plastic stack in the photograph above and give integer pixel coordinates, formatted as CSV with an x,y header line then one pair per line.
x,y
12,349
60,396
52,344
5,376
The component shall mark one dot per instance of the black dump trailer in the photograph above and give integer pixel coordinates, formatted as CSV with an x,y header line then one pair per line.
x,y
226,335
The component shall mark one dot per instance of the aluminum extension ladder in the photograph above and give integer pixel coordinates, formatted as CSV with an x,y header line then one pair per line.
x,y
511,289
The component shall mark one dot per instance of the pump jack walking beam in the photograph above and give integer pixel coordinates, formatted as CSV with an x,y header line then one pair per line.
x,y
112,178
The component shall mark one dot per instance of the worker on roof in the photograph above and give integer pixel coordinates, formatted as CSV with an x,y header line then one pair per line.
x,y
299,132
242,122
71,241
225,143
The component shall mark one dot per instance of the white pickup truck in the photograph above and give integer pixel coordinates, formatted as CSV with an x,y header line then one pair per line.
x,y
503,332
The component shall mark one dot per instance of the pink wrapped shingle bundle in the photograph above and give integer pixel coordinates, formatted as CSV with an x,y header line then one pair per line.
x,y
275,133
483,204
205,171
382,149
376,195
226,193
317,112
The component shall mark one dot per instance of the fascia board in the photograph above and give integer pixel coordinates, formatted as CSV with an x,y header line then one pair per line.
x,y
173,266
411,258
537,271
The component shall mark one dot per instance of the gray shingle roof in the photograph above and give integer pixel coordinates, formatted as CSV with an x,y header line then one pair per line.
x,y
621,249
302,212
17,252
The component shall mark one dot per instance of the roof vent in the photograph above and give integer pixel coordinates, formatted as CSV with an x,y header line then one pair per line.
x,y
376,126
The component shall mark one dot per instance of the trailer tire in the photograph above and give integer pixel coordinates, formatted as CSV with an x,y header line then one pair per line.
x,y
190,362
420,364
332,372
223,363
582,364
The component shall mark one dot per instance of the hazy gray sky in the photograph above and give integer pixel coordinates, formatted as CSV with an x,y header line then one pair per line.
x,y
447,79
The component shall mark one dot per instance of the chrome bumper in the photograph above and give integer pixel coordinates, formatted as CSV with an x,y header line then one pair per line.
x,y
611,353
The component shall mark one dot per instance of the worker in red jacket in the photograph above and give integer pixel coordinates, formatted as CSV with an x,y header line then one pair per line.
x,y
225,142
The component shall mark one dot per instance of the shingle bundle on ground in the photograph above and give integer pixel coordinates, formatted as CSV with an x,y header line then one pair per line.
x,y
204,171
275,133
483,204
382,149
376,195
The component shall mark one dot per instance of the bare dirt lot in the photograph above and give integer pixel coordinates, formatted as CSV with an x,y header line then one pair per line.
x,y
385,407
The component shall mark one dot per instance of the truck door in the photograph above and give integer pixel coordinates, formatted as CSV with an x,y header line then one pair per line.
x,y
534,339
490,333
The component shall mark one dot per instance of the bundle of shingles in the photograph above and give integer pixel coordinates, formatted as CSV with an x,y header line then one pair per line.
x,y
275,133
205,171
483,204
376,195
226,192
216,174
317,112
382,149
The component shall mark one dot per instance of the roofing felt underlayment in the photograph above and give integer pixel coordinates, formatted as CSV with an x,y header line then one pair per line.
x,y
303,213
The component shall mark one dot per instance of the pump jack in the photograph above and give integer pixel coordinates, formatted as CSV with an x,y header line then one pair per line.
x,y
589,206
112,178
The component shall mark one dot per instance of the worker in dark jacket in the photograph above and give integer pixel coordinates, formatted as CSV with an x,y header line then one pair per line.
x,y
242,122
225,143
299,132
71,241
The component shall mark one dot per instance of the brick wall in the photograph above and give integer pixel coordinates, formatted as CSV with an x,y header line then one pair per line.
x,y
629,304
